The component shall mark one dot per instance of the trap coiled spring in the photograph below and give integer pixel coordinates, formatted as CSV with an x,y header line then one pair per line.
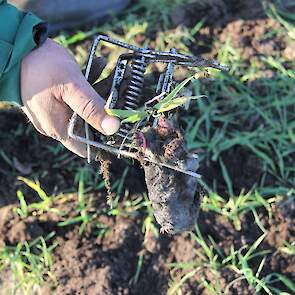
x,y
134,91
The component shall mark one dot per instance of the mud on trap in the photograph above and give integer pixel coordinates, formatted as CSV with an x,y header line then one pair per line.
x,y
170,170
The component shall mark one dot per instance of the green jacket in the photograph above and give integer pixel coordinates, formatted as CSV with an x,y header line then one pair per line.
x,y
20,32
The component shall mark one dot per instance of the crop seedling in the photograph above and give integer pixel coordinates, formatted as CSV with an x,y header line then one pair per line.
x,y
164,103
35,208
208,257
234,207
288,248
83,217
29,263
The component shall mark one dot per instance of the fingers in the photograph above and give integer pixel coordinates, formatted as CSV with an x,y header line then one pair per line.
x,y
89,105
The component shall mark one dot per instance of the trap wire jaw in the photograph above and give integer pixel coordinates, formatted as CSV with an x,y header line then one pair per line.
x,y
139,58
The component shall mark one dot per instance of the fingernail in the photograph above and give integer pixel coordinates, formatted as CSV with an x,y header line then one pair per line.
x,y
110,125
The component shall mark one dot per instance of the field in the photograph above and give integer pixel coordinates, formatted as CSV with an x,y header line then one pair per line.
x,y
58,235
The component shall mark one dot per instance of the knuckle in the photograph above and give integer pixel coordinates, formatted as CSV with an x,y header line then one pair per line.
x,y
72,87
89,110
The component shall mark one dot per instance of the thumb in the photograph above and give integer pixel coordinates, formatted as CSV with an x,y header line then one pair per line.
x,y
83,100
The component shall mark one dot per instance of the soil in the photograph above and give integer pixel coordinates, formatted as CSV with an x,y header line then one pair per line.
x,y
106,263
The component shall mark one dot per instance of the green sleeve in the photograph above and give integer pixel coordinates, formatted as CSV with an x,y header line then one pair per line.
x,y
19,34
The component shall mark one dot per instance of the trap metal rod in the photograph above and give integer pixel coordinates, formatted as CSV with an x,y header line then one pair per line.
x,y
123,153
87,72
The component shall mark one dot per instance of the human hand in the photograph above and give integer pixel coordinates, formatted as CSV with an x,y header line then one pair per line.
x,y
53,87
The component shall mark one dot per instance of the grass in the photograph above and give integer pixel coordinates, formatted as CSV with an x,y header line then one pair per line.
x,y
45,204
211,259
236,206
220,125
236,114
164,104
28,266
244,110
83,216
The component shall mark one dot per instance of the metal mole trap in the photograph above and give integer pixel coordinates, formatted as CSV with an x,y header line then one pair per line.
x,y
138,58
